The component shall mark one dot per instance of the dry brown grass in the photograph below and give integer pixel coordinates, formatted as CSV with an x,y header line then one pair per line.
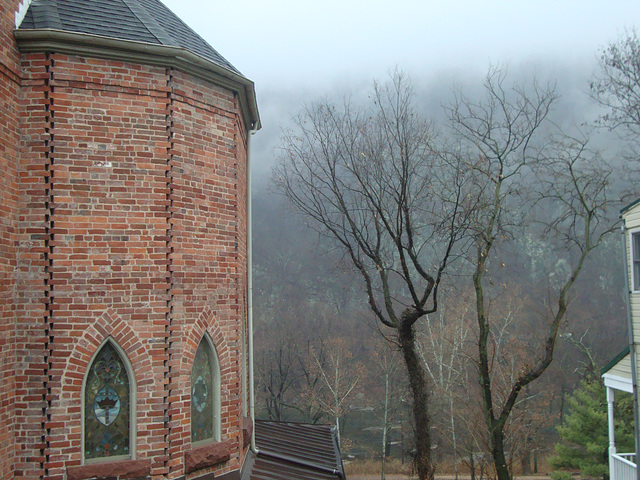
x,y
372,467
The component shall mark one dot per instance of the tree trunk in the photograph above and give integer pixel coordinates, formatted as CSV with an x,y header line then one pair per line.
x,y
472,465
453,437
420,408
494,424
525,461
384,425
497,452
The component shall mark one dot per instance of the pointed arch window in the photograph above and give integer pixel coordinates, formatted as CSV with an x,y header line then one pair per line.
x,y
205,393
108,406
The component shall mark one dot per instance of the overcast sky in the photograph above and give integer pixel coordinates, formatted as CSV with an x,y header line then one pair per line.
x,y
296,50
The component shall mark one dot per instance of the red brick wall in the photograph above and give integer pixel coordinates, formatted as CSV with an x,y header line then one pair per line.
x,y
132,227
208,237
9,142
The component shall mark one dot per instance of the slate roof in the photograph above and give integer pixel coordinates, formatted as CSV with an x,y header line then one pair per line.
x,y
295,451
147,21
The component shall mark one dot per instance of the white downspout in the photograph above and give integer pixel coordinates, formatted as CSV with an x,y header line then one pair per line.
x,y
252,403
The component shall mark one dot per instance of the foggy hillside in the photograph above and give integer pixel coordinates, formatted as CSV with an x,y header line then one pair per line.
x,y
309,304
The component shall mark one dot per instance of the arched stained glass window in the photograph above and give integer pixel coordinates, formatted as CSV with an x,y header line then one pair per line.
x,y
107,406
205,393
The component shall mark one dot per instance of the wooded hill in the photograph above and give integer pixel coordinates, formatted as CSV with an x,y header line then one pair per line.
x,y
322,356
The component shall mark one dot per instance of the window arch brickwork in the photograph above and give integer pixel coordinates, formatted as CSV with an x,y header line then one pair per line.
x,y
109,325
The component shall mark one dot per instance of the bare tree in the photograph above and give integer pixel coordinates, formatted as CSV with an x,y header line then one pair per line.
x,y
278,375
312,411
339,375
617,86
369,179
528,181
387,384
287,376
442,346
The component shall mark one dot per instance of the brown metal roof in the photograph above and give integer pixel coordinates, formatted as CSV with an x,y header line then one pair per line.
x,y
295,451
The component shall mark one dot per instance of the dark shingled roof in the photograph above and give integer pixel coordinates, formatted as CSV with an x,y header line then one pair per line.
x,y
146,21
295,451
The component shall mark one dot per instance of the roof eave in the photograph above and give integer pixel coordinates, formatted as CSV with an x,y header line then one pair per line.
x,y
630,206
612,363
59,41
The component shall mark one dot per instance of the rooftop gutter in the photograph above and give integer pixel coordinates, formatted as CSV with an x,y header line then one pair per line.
x,y
72,43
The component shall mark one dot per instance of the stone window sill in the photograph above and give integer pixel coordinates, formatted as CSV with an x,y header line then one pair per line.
x,y
122,469
208,455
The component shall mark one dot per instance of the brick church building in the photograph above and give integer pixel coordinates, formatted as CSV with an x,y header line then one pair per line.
x,y
123,253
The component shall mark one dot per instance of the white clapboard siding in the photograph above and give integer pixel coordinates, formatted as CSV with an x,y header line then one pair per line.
x,y
622,368
631,218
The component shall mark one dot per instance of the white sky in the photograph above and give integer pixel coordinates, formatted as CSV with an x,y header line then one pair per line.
x,y
300,42
306,49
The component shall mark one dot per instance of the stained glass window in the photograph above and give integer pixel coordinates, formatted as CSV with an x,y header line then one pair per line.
x,y
107,403
204,393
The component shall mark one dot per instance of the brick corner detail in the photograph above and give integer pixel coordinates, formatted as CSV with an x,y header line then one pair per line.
x,y
247,431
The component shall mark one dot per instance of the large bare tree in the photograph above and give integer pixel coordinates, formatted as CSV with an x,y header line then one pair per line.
x,y
531,181
617,88
617,85
368,178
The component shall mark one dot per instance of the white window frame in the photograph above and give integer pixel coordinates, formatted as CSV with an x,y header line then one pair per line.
x,y
634,260
217,393
132,406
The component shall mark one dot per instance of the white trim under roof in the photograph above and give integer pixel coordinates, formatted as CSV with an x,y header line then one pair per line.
x,y
618,383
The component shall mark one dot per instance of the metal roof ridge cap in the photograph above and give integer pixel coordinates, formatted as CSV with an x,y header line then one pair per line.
x,y
52,14
248,464
180,55
187,27
149,22
332,470
336,445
